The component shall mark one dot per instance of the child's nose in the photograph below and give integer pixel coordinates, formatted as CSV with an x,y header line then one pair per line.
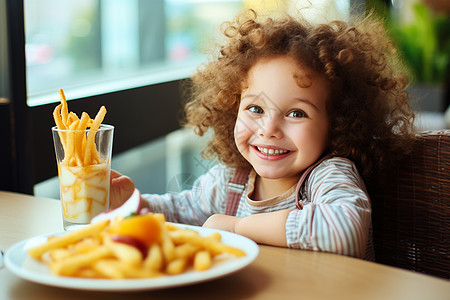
x,y
270,128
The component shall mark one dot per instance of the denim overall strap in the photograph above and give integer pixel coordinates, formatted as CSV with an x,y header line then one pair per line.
x,y
236,187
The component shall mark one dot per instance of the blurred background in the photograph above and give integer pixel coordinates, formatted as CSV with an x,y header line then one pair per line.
x,y
134,55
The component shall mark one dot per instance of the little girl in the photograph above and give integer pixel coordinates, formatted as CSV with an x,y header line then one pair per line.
x,y
298,112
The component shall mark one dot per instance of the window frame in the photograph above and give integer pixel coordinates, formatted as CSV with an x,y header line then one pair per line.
x,y
139,115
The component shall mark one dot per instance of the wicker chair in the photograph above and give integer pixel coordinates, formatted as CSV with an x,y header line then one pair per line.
x,y
411,218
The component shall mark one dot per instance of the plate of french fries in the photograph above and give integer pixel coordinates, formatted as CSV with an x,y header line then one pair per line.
x,y
111,255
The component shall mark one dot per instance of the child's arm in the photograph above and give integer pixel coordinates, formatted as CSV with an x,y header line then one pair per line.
x,y
265,228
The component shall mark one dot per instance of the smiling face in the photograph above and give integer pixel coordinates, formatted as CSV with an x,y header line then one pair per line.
x,y
282,127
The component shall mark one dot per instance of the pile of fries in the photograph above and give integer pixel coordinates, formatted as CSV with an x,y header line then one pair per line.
x,y
79,149
93,252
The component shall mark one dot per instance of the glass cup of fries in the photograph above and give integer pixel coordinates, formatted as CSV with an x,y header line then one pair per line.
x,y
84,167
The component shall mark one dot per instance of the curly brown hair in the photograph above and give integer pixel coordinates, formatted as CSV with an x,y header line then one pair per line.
x,y
371,121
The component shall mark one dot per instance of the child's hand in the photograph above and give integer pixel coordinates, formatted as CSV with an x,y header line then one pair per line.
x,y
222,222
121,189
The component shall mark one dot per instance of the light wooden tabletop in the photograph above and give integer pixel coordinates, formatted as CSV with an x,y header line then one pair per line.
x,y
277,273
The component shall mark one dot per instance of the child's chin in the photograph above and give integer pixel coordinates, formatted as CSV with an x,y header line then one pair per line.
x,y
268,174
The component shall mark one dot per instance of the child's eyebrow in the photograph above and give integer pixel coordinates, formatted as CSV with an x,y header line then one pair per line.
x,y
251,96
307,102
254,98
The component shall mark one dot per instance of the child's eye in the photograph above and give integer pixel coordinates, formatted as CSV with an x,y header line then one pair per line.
x,y
297,114
255,109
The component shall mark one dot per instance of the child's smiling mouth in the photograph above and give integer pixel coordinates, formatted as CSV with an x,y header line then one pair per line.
x,y
271,153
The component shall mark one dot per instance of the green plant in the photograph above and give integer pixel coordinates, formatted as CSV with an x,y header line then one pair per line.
x,y
424,43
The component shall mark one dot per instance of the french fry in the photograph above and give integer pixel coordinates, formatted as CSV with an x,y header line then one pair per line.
x,y
202,260
109,268
194,238
87,273
154,260
186,251
87,244
90,152
72,118
69,158
57,117
59,254
172,227
72,264
168,248
176,266
59,123
64,107
64,240
125,253
113,269
81,137
215,236
137,272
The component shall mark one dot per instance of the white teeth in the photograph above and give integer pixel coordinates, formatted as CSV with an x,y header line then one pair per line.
x,y
272,151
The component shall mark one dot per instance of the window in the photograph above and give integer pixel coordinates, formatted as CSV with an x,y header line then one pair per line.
x,y
90,47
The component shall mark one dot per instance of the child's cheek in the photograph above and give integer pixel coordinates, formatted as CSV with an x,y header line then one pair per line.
x,y
242,133
239,130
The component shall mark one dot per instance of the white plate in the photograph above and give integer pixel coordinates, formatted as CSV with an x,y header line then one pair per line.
x,y
20,263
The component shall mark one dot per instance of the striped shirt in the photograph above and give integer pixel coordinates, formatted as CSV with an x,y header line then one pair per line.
x,y
335,214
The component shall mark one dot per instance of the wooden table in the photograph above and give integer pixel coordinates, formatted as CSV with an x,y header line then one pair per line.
x,y
277,273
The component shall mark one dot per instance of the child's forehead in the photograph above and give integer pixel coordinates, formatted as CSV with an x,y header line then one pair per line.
x,y
281,77
301,71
